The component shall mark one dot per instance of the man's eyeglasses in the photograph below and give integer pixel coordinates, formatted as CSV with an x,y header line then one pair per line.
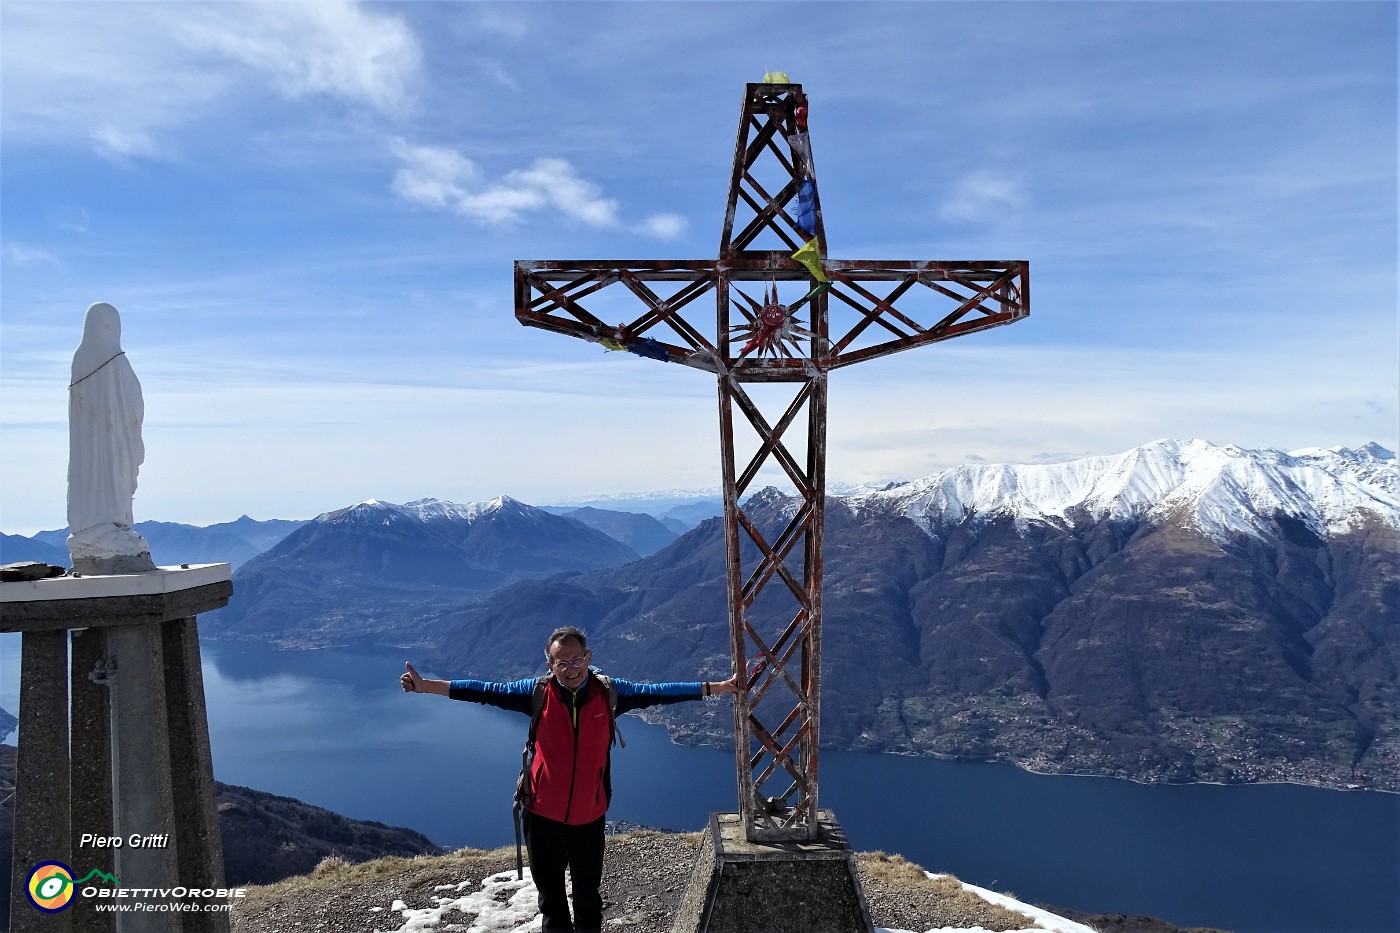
x,y
573,665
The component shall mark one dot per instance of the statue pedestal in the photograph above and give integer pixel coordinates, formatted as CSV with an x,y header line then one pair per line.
x,y
116,743
739,886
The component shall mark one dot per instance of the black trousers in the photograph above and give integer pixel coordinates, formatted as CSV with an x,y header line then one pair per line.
x,y
555,847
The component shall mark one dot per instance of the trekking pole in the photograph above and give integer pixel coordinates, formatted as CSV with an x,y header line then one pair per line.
x,y
519,859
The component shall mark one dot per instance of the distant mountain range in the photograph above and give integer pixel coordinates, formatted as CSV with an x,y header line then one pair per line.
x,y
229,542
1182,611
371,571
642,533
15,548
237,542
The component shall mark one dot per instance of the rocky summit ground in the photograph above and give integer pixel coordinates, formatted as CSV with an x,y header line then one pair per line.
x,y
645,877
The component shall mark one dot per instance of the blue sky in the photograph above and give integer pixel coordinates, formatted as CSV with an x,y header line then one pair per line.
x,y
307,214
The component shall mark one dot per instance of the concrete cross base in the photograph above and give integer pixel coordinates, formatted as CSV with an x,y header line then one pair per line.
x,y
739,886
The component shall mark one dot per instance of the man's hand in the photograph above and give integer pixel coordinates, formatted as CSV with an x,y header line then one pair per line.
x,y
413,683
721,687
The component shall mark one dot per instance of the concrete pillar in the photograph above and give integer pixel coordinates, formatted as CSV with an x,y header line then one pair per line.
x,y
143,799
92,770
198,844
739,886
41,776
127,702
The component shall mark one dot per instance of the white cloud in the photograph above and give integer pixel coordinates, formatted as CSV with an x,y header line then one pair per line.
x,y
21,255
444,179
330,47
433,176
663,226
123,77
111,78
118,144
982,195
556,181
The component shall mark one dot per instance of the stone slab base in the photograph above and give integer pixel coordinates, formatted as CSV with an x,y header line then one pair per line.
x,y
739,886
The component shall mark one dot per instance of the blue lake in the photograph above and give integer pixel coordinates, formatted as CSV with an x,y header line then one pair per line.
x,y
332,728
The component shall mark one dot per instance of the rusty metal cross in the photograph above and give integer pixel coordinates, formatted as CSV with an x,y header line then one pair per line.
x,y
786,315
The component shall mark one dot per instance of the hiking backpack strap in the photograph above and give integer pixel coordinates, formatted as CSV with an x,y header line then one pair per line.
x,y
522,783
608,685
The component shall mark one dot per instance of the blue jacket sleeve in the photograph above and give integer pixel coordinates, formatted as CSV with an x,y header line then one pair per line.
x,y
513,695
632,695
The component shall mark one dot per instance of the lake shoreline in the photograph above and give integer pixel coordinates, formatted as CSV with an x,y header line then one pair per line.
x,y
1028,767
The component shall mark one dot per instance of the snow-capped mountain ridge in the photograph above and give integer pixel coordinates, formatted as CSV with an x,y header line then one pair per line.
x,y
1223,489
426,509
377,510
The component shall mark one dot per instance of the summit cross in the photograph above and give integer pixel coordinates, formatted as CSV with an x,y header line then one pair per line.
x,y
785,316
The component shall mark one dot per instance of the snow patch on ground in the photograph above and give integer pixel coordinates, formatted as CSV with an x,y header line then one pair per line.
x,y
1042,919
503,905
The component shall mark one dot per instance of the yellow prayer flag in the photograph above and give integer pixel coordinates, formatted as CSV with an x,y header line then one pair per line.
x,y
810,257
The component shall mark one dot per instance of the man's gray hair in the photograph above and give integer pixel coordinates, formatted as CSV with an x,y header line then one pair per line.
x,y
563,632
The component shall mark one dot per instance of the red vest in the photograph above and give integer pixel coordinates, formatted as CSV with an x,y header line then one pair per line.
x,y
567,776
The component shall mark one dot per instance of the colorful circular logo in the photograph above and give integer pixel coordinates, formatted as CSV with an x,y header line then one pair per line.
x,y
50,887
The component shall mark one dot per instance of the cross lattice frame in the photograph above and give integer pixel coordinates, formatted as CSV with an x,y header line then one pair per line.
x,y
777,652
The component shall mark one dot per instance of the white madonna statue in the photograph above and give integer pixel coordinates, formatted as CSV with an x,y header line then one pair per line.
x,y
104,451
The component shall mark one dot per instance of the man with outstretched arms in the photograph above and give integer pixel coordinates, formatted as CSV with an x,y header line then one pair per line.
x,y
568,785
